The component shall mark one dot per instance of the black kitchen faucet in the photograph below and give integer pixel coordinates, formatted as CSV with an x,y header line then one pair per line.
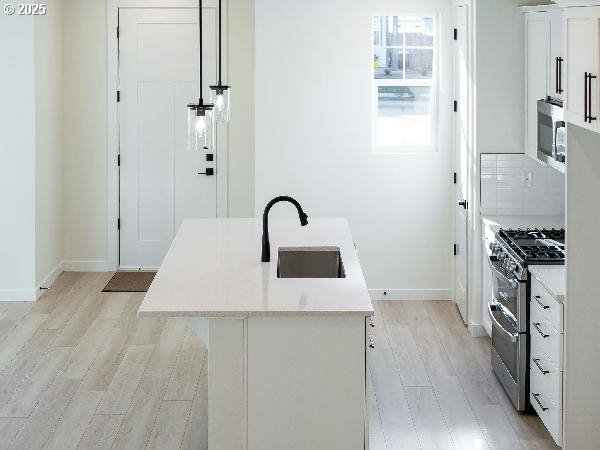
x,y
266,246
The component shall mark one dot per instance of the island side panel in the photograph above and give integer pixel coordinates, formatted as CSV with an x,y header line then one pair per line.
x,y
226,384
306,383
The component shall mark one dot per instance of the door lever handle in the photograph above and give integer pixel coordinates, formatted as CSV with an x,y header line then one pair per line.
x,y
209,171
464,204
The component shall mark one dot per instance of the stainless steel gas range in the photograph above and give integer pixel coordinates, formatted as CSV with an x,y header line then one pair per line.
x,y
511,254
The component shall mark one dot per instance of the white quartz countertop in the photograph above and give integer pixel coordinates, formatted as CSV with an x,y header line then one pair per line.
x,y
213,269
553,278
492,224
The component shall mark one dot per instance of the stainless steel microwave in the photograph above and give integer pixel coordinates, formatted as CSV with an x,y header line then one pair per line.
x,y
552,132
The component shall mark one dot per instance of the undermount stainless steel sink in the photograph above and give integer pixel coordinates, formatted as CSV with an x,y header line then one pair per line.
x,y
310,262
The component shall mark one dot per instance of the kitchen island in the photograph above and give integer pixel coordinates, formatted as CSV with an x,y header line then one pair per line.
x,y
287,356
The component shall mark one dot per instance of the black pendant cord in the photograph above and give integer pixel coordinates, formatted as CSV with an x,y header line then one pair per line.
x,y
220,45
200,34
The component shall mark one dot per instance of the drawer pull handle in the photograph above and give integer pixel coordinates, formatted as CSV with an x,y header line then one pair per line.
x,y
537,363
537,400
537,327
537,299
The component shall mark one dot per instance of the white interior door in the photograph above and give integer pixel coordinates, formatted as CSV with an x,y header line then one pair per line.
x,y
160,184
462,159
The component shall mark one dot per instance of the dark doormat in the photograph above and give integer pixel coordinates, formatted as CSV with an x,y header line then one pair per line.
x,y
130,282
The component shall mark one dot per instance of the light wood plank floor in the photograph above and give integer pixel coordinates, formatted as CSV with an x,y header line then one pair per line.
x,y
78,369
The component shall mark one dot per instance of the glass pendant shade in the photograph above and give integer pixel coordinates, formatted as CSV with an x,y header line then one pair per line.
x,y
220,97
201,128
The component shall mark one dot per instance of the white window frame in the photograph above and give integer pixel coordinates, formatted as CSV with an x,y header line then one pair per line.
x,y
434,83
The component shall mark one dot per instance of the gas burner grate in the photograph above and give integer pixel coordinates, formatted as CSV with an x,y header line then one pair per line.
x,y
556,234
540,246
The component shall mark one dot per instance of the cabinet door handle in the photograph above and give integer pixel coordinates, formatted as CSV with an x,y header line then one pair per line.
x,y
557,75
559,61
590,78
585,96
537,299
537,400
537,363
537,327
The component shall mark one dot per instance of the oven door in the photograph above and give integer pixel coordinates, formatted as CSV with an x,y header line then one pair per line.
x,y
509,292
509,355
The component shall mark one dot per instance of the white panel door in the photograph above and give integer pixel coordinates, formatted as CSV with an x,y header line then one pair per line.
x,y
160,184
461,61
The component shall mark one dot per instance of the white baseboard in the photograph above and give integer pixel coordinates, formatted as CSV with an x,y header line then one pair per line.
x,y
86,266
51,277
31,295
18,295
477,330
138,269
410,294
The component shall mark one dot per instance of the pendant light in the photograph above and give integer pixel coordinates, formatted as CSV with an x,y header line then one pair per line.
x,y
219,93
200,115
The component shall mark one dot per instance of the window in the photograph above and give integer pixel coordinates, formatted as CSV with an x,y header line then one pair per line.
x,y
404,84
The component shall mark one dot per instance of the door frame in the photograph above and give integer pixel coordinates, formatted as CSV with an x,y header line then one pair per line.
x,y
113,178
471,157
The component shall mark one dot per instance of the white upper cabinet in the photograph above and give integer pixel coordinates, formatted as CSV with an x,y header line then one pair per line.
x,y
544,67
582,28
557,55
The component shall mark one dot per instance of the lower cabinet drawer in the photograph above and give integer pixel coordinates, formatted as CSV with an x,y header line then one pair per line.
x,y
549,412
545,338
551,309
545,378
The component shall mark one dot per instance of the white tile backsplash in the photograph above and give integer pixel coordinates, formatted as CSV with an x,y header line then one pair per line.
x,y
514,184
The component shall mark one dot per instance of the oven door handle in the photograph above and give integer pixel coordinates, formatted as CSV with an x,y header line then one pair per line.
x,y
511,281
491,309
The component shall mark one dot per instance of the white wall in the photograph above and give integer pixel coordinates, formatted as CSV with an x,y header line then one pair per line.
x,y
582,306
85,125
313,99
49,142
85,130
17,153
240,160
499,79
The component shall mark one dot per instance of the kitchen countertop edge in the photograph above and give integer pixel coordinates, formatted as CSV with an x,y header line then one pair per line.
x,y
224,314
548,278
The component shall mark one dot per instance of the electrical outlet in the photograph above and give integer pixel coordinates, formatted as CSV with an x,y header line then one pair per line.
x,y
528,179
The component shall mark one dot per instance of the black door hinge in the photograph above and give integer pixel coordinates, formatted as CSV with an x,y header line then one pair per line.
x,y
455,178
118,96
456,34
119,160
455,249
119,223
455,106
118,32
